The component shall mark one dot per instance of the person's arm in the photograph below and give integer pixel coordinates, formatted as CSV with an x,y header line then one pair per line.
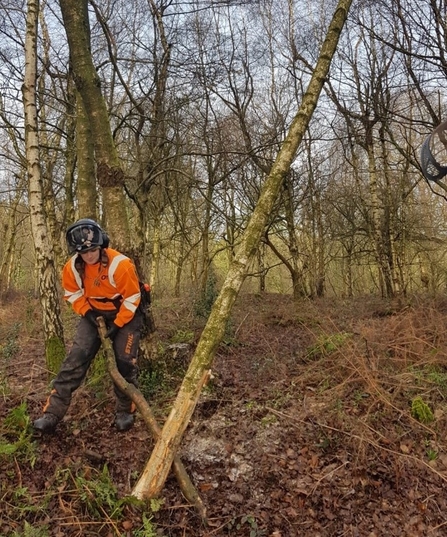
x,y
128,286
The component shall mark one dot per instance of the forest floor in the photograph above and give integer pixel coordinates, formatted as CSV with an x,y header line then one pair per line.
x,y
324,418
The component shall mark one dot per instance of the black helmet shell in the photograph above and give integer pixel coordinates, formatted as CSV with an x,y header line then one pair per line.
x,y
85,235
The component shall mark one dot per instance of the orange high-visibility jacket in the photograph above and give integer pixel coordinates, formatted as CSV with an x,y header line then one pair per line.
x,y
116,280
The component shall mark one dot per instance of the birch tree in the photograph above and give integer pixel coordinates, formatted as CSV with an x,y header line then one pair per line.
x,y
45,266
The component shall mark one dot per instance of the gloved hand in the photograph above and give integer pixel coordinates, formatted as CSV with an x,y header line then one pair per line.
x,y
112,331
90,315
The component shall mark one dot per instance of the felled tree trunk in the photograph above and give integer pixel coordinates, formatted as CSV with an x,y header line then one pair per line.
x,y
154,476
137,397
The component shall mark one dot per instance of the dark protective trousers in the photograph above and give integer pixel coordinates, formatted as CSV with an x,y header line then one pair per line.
x,y
85,346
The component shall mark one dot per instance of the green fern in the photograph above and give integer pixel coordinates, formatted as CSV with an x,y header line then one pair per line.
x,y
32,531
16,437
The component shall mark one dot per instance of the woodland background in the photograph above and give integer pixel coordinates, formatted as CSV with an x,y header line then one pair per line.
x,y
199,97
332,364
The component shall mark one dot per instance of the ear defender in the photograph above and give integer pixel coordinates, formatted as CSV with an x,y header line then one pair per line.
x,y
105,239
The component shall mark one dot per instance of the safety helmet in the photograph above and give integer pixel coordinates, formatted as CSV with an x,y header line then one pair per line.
x,y
85,235
434,154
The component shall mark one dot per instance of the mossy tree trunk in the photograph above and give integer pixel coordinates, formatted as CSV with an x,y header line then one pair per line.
x,y
156,471
108,168
45,267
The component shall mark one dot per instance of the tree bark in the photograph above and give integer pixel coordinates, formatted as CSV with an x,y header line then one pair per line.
x,y
154,476
86,192
45,268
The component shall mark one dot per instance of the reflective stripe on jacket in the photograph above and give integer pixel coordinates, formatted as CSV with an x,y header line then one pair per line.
x,y
102,285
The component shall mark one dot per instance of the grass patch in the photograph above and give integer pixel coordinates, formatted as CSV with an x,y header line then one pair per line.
x,y
421,411
11,347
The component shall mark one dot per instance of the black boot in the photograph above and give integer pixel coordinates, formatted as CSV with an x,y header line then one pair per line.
x,y
124,421
46,424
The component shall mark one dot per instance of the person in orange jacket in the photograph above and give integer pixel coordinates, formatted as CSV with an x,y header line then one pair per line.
x,y
97,281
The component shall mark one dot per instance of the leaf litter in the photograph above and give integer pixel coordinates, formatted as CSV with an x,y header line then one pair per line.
x,y
306,429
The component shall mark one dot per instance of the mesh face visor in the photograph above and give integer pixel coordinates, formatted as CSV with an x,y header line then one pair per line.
x,y
434,154
84,237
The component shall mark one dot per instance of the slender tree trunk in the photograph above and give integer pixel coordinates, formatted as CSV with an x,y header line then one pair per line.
x,y
318,244
156,251
179,271
205,242
49,157
347,261
230,232
46,273
294,265
156,471
9,233
390,226
70,154
384,270
261,268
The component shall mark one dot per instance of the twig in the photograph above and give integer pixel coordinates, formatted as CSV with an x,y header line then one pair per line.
x,y
314,488
437,527
240,325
